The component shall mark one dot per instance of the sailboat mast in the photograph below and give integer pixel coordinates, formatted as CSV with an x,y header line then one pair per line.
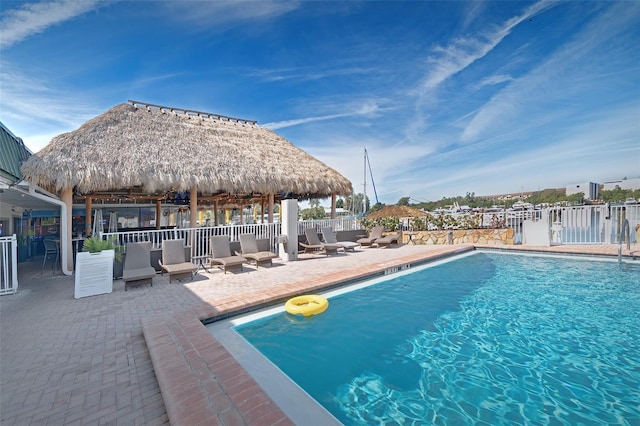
x,y
364,198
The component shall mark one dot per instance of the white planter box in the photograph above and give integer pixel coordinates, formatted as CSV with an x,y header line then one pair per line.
x,y
94,273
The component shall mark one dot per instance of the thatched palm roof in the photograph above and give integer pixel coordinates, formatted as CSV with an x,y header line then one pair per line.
x,y
164,149
397,211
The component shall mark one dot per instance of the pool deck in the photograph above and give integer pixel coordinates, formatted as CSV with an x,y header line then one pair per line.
x,y
143,357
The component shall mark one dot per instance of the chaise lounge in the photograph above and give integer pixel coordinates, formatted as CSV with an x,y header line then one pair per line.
x,y
173,260
221,254
387,240
331,238
374,234
137,268
251,252
314,245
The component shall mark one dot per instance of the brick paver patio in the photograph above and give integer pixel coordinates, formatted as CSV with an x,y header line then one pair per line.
x,y
89,361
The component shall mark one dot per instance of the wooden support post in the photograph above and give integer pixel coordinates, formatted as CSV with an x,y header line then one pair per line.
x,y
193,207
87,218
215,213
271,208
333,205
158,213
67,198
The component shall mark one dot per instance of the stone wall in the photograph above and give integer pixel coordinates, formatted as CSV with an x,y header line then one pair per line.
x,y
497,237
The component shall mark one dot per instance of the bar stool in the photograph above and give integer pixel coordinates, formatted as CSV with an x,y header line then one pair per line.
x,y
50,248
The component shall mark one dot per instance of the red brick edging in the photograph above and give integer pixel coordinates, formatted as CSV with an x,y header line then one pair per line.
x,y
200,381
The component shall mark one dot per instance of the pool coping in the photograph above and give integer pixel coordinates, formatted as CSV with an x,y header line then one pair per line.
x,y
202,383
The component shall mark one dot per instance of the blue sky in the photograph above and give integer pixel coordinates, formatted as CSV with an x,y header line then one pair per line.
x,y
448,97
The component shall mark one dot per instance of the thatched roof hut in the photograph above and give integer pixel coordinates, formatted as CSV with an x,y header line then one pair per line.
x,y
397,211
160,149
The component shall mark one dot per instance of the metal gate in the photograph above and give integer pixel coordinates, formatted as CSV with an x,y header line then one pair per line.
x,y
8,265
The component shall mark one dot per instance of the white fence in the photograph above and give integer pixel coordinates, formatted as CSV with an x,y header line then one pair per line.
x,y
8,265
597,224
569,225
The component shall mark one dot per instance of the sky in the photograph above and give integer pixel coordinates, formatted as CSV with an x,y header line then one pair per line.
x,y
447,97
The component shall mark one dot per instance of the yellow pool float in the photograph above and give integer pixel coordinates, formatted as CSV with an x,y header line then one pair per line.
x,y
307,305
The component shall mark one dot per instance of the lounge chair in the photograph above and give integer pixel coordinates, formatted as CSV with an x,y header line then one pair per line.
x,y
330,238
314,245
221,254
387,240
374,234
250,251
173,260
137,268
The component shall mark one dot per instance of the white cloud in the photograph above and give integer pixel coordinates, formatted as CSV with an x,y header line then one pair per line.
x,y
307,73
464,51
366,108
217,14
35,111
567,74
33,18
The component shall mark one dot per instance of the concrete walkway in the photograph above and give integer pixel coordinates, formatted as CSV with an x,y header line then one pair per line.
x,y
86,361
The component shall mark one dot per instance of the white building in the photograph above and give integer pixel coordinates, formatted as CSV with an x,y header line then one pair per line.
x,y
589,189
631,184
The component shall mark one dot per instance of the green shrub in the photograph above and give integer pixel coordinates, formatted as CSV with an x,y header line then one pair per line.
x,y
96,245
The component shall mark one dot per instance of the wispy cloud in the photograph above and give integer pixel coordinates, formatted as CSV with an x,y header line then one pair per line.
x,y
563,76
221,14
33,18
23,95
306,73
462,52
366,109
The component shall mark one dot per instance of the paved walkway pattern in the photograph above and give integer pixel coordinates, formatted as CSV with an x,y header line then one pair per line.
x,y
91,361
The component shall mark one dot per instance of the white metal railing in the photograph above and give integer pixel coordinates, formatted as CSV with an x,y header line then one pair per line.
x,y
598,224
8,265
340,224
617,215
198,238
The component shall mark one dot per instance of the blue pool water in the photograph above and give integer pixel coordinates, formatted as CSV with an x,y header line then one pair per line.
x,y
485,339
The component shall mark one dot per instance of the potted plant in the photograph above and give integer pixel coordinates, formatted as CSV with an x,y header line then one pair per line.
x,y
95,265
96,245
23,249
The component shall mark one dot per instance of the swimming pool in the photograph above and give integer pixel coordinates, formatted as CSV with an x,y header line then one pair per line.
x,y
487,338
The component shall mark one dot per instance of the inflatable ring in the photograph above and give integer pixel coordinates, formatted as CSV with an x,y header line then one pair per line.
x,y
307,305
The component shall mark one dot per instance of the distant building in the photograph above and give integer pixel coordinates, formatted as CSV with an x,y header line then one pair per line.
x,y
629,184
589,189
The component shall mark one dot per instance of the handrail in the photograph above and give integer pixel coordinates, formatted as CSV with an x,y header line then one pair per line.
x,y
625,225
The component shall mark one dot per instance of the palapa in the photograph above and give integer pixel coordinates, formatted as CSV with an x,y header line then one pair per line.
x,y
161,149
